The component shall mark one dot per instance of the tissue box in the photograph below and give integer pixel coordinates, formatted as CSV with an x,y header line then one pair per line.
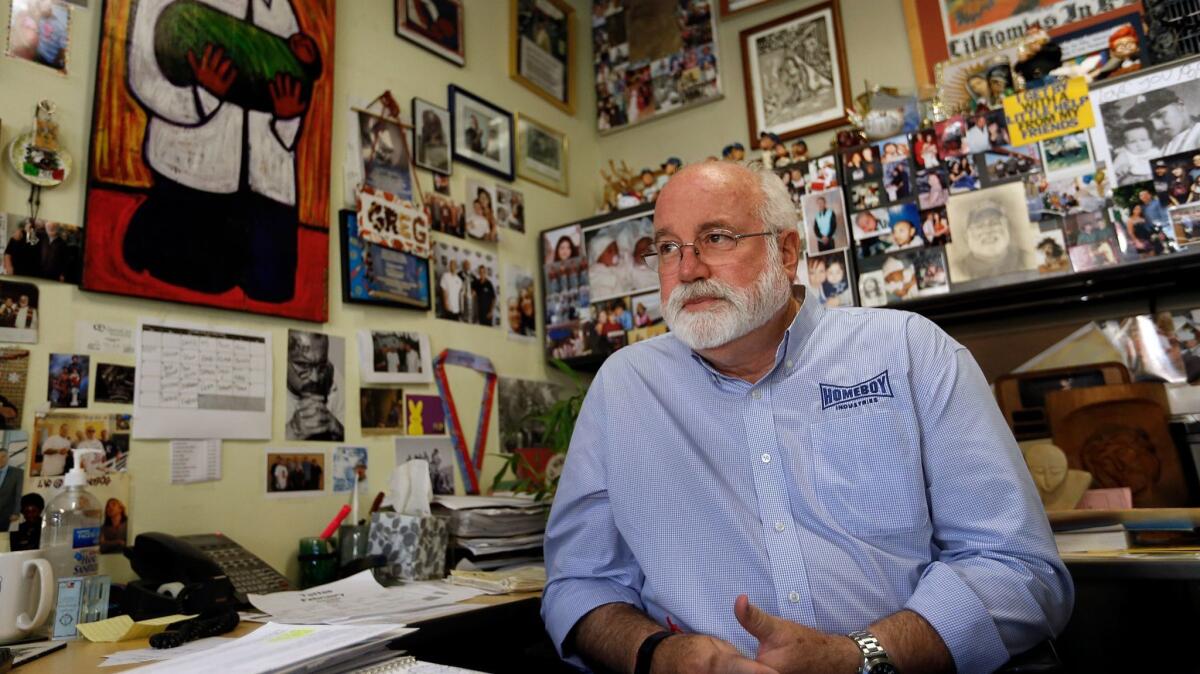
x,y
414,545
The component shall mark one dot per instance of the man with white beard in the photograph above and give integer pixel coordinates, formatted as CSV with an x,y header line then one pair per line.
x,y
771,477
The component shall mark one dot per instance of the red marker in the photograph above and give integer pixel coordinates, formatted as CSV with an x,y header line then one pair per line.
x,y
337,520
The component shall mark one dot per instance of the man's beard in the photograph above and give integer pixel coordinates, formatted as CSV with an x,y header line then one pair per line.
x,y
736,313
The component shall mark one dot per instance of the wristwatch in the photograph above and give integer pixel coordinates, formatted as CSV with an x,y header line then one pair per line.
x,y
875,659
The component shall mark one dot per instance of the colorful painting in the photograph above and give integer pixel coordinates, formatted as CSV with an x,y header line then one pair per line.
x,y
208,181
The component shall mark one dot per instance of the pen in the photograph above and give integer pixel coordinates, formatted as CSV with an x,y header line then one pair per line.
x,y
376,503
333,524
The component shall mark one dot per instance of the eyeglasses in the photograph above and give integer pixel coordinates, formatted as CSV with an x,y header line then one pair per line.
x,y
712,245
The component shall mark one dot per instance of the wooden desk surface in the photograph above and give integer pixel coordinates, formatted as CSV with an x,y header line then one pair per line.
x,y
85,656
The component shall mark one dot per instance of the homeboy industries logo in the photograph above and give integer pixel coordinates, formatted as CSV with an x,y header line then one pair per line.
x,y
849,397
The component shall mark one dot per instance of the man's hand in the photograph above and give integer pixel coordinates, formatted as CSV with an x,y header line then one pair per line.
x,y
212,70
688,653
793,648
286,97
313,418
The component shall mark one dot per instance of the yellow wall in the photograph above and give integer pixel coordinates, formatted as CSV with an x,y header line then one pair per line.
x,y
368,59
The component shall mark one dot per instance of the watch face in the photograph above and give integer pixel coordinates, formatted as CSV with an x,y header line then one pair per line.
x,y
883,668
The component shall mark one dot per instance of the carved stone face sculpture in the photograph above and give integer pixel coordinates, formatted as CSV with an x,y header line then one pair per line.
x,y
1048,465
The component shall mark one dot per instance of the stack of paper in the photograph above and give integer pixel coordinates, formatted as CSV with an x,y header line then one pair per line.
x,y
494,531
522,579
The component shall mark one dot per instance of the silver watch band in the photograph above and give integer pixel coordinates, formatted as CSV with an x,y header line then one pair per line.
x,y
873,652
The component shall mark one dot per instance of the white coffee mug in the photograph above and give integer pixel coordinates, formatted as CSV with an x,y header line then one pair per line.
x,y
17,570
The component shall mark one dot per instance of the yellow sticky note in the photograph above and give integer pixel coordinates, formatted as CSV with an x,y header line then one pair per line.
x,y
1053,110
122,628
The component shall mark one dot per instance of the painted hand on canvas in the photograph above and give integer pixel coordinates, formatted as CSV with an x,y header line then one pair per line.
x,y
416,425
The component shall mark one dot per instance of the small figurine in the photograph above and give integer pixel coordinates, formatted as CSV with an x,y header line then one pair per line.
x,y
850,138
733,152
767,142
669,168
1037,56
977,88
1123,54
1000,83
647,189
619,188
799,151
1060,487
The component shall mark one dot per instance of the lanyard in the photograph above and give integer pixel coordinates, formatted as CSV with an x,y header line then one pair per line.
x,y
468,466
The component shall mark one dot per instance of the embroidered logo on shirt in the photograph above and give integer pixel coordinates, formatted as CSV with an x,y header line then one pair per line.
x,y
864,393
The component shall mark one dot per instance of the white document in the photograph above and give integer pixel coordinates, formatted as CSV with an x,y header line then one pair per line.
x,y
454,502
274,647
140,655
91,337
195,461
198,382
359,599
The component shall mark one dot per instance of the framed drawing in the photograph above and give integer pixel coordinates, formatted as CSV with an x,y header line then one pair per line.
x,y
434,25
541,50
795,73
375,274
541,154
208,189
731,7
482,133
431,136
651,58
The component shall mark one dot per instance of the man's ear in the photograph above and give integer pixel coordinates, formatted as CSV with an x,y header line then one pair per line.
x,y
789,251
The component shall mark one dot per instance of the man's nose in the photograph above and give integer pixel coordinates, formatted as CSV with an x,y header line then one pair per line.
x,y
691,267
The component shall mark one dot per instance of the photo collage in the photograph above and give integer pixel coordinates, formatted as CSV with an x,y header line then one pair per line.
x,y
820,215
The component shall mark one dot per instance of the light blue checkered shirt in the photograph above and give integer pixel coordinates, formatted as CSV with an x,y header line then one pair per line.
x,y
869,472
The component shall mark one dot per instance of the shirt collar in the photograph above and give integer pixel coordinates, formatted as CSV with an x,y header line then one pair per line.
x,y
794,338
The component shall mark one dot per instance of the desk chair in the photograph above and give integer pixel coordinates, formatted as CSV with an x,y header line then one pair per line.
x,y
1041,659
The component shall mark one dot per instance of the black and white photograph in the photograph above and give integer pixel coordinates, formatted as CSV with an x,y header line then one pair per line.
x,y
615,250
795,73
825,222
1152,113
384,152
391,357
294,472
114,383
482,222
482,133
316,386
871,289
467,285
991,233
438,452
510,208
518,400
431,125
18,312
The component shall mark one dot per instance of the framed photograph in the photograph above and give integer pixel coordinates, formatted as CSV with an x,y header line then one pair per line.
x,y
795,73
541,52
482,133
541,154
652,58
375,274
391,357
435,25
431,124
731,7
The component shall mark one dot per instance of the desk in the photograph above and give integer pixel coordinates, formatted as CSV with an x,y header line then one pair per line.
x,y
502,634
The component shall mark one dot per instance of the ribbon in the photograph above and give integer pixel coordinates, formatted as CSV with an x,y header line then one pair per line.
x,y
468,466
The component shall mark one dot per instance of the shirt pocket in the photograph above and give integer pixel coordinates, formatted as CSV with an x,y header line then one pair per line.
x,y
867,472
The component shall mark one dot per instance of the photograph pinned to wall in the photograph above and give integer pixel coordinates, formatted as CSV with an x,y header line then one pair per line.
x,y
1006,162
349,469
961,173
114,383
482,133
316,386
795,73
870,289
520,400
541,53
824,221
434,25
294,472
446,216
541,154
424,415
652,58
519,303
18,312
467,285
375,274
935,227
1150,114
431,133
39,31
510,208
991,234
870,224
111,490
68,380
481,221
55,434
14,373
173,186
904,225
565,274
933,187
615,265
392,222
391,357
438,452
1052,252
381,411
1142,223
41,248
1066,155
829,278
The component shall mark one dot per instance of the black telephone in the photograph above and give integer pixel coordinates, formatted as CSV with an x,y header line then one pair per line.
x,y
216,572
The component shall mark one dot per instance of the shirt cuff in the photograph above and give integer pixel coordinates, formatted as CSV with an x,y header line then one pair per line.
x,y
954,610
564,603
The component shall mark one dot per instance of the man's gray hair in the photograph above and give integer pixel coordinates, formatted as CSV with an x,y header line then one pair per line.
x,y
775,209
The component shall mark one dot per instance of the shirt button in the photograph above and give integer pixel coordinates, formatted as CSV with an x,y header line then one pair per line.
x,y
757,395
788,364
780,526
794,596
766,458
